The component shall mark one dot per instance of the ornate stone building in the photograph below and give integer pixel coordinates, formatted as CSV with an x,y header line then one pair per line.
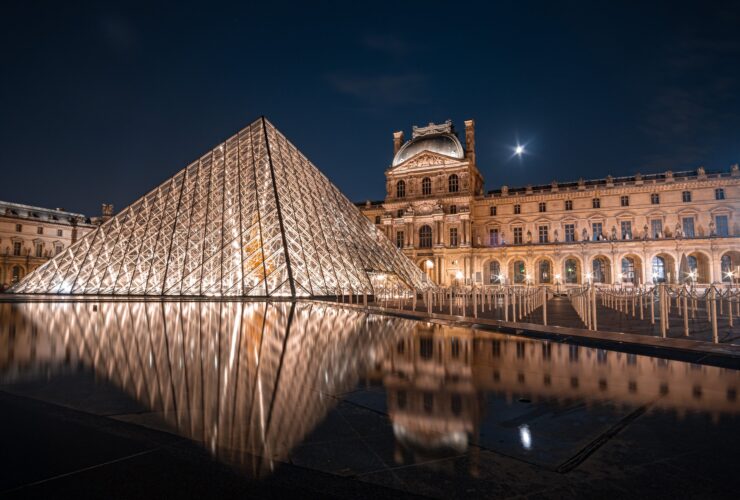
x,y
667,227
29,236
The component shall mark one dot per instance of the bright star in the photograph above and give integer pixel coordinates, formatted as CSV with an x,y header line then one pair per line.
x,y
519,150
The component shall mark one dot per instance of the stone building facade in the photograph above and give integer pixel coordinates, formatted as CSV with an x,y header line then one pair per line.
x,y
29,236
667,227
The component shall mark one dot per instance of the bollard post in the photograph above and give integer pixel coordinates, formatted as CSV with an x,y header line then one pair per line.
x,y
544,306
714,315
506,305
685,316
652,306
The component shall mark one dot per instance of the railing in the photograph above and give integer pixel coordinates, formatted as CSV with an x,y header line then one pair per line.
x,y
583,300
711,305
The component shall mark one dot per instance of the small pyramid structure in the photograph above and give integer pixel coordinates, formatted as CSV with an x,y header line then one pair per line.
x,y
252,217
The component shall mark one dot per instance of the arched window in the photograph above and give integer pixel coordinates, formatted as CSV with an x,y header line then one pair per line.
x,y
520,272
628,270
400,189
571,271
454,183
426,186
425,237
726,265
544,272
658,270
494,271
17,274
599,270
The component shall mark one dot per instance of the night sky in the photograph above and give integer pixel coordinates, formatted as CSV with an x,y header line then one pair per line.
x,y
102,103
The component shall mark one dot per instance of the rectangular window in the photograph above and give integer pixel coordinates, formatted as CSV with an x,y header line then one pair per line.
x,y
570,232
39,250
542,206
493,237
688,227
58,249
453,236
493,210
40,230
17,245
399,213
626,227
655,199
517,235
18,228
723,227
399,239
542,230
686,196
596,229
60,233
656,228
569,204
596,203
624,201
517,209
719,194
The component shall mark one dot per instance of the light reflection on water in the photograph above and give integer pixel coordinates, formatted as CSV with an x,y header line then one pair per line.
x,y
250,381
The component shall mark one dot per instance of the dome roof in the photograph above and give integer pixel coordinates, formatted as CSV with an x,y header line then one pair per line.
x,y
445,144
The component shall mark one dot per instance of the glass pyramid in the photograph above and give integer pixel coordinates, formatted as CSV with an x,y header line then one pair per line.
x,y
252,217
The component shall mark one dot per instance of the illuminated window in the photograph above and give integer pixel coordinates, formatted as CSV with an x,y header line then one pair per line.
x,y
658,270
571,271
520,272
494,271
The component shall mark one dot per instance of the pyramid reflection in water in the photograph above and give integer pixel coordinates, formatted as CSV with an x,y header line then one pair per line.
x,y
247,380
252,217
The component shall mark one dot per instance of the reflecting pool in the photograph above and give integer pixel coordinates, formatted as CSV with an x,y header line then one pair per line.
x,y
351,393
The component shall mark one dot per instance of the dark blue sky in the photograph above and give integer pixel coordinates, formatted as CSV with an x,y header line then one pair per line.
x,y
101,103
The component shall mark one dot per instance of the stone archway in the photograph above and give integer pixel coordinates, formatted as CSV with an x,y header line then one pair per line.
x,y
601,269
630,269
492,270
544,271
662,268
572,271
730,266
696,267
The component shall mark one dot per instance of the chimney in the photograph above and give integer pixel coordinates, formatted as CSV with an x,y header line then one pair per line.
x,y
470,140
397,141
107,211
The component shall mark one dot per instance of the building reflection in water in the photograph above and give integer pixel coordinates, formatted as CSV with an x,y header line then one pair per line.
x,y
250,380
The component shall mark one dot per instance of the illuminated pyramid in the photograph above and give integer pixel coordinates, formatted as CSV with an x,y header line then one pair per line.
x,y
252,217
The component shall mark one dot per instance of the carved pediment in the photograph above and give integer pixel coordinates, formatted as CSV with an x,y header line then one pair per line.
x,y
426,159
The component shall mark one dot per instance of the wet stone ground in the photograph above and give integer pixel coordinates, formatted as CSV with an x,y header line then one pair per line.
x,y
73,436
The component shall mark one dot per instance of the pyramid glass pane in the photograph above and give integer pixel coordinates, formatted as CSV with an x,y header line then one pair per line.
x,y
252,217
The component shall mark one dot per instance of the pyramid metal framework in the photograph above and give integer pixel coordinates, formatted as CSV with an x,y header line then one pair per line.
x,y
252,217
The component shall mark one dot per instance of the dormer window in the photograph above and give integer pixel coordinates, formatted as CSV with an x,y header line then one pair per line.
x,y
400,189
454,183
426,186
